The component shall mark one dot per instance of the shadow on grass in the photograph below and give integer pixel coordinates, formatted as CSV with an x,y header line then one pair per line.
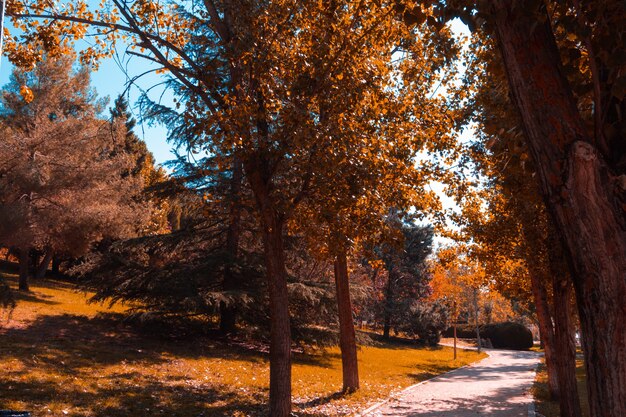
x,y
51,283
323,360
78,341
396,342
422,376
33,297
323,400
146,397
50,357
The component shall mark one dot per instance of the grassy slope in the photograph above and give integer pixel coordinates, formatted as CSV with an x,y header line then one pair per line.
x,y
61,356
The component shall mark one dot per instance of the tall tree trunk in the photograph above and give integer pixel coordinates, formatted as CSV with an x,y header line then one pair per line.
x,y
347,338
454,325
388,305
228,311
475,299
280,331
34,261
580,191
43,265
56,262
536,250
564,341
24,263
566,346
546,330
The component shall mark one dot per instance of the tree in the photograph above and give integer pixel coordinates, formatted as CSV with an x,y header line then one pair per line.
x,y
574,133
62,188
353,190
249,76
152,176
575,59
404,262
509,223
578,173
462,281
427,321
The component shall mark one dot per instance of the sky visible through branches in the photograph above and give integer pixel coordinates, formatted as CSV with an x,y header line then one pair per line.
x,y
112,77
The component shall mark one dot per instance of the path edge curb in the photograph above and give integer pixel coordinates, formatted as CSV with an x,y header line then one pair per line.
x,y
379,404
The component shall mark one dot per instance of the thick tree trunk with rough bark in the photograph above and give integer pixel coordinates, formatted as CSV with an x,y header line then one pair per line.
x,y
272,223
580,191
228,312
347,337
24,263
280,332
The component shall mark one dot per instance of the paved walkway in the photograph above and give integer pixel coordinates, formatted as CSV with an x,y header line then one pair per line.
x,y
497,386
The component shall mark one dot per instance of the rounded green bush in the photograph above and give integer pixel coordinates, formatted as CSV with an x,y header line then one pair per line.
x,y
508,335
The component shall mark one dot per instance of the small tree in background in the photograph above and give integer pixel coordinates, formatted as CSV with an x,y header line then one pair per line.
x,y
427,321
401,277
144,168
61,182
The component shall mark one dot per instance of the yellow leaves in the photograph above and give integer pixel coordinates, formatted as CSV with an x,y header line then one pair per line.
x,y
27,94
376,264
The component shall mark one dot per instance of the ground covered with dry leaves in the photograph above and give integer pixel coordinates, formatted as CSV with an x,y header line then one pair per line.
x,y
61,356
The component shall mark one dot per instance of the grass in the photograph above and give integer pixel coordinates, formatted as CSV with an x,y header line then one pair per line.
x,y
61,356
549,407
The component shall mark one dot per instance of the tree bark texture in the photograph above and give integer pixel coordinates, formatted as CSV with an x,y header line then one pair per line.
x,y
580,191
228,311
280,331
24,262
272,223
347,337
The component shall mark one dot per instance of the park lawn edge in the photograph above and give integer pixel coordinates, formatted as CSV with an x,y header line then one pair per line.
x,y
57,302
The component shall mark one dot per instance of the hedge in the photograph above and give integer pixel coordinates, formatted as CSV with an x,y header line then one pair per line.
x,y
506,335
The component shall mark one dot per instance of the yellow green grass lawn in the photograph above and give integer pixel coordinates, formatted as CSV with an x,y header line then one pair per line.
x,y
61,356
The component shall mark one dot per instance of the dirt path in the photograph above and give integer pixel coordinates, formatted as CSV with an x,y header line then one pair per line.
x,y
497,386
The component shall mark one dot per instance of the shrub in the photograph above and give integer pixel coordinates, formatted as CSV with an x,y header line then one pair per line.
x,y
463,331
427,321
508,335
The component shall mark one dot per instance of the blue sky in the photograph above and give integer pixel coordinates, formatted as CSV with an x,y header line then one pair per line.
x,y
110,80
